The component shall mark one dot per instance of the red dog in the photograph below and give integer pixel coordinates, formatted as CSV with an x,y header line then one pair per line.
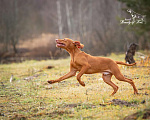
x,y
87,64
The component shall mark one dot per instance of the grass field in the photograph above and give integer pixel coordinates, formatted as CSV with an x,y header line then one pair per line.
x,y
29,96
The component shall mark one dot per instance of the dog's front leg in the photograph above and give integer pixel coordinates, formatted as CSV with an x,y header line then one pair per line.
x,y
82,71
68,75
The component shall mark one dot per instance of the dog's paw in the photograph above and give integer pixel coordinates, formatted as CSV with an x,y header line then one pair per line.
x,y
136,92
50,81
82,83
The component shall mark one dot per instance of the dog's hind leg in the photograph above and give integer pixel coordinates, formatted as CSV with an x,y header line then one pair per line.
x,y
120,77
116,72
107,79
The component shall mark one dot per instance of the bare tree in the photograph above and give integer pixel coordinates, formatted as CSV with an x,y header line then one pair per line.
x,y
11,31
68,19
59,18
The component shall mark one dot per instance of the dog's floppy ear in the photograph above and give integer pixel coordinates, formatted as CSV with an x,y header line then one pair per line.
x,y
78,44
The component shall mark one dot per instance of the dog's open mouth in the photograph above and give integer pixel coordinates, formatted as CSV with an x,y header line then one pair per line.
x,y
59,44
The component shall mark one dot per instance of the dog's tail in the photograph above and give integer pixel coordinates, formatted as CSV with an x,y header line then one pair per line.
x,y
122,63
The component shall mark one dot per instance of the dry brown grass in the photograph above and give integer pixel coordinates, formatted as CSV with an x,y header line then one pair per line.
x,y
36,99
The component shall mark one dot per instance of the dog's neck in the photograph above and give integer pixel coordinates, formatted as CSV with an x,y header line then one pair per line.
x,y
73,52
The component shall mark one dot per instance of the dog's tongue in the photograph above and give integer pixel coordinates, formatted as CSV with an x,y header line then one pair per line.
x,y
60,44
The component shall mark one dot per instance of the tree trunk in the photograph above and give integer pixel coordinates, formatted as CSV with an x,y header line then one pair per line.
x,y
59,19
68,19
14,43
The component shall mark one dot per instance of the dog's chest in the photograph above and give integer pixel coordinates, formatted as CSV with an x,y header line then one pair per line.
x,y
76,66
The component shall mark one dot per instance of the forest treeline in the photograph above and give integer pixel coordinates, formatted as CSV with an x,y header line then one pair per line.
x,y
96,23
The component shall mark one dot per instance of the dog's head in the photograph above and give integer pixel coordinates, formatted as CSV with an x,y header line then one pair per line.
x,y
67,43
